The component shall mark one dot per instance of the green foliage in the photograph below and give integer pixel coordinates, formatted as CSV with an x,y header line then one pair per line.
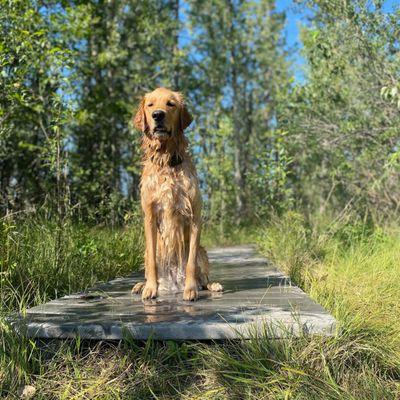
x,y
117,57
227,235
72,72
343,122
270,179
32,109
67,113
239,76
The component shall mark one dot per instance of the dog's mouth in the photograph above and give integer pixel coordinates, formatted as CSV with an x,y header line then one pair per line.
x,y
161,132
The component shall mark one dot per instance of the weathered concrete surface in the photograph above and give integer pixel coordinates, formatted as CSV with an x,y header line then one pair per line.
x,y
257,299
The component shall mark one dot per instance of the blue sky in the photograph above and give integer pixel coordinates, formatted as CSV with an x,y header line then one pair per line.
x,y
295,17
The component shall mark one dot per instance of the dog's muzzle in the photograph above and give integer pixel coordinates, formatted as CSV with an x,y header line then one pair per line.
x,y
161,132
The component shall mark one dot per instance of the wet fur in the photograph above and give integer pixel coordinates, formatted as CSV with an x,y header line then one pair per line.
x,y
171,202
176,200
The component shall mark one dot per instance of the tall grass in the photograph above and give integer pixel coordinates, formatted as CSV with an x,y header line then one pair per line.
x,y
39,261
349,268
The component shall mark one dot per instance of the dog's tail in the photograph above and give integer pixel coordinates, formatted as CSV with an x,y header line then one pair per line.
x,y
204,267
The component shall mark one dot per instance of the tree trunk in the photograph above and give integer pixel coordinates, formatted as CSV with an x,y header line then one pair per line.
x,y
237,125
175,49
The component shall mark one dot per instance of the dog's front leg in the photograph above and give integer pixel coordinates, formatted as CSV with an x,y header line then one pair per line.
x,y
150,232
191,292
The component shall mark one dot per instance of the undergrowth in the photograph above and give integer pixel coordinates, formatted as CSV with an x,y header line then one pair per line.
x,y
39,260
216,236
349,268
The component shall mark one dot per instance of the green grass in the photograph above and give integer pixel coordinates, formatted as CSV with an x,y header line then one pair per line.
x,y
350,268
39,261
215,236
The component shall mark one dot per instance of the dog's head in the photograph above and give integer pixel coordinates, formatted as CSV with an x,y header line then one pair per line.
x,y
162,114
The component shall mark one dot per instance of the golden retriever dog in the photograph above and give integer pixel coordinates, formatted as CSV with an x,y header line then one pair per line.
x,y
171,201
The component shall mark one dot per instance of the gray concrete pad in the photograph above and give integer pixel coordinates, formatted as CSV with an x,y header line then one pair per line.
x,y
258,299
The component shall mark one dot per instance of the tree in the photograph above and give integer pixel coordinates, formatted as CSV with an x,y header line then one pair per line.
x,y
344,120
125,49
239,70
95,59
31,107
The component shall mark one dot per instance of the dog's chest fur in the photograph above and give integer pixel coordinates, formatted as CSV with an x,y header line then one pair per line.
x,y
170,189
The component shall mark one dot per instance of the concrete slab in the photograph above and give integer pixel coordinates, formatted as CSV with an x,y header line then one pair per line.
x,y
257,299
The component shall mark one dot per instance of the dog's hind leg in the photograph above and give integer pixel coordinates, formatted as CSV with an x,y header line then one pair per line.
x,y
138,288
204,267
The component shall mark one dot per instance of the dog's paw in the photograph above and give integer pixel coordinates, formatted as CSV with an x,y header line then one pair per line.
x,y
215,287
138,288
190,293
149,291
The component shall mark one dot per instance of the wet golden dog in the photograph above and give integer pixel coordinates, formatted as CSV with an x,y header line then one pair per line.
x,y
171,200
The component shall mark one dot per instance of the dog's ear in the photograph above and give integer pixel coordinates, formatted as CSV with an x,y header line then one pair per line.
x,y
185,117
139,121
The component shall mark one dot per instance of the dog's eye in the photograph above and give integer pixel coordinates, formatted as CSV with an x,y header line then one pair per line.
x,y
150,105
170,104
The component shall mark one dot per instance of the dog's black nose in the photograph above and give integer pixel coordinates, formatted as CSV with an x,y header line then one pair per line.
x,y
158,115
